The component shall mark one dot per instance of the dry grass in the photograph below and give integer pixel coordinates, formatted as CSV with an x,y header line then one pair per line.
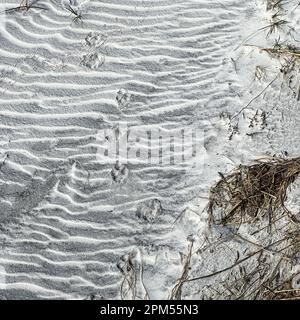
x,y
176,293
77,16
265,281
25,5
275,25
287,290
254,191
264,274
279,51
274,5
247,194
132,286
129,282
289,58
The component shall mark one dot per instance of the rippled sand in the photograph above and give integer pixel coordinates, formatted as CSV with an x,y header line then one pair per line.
x,y
69,221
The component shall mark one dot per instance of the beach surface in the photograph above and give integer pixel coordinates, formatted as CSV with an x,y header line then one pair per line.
x,y
78,225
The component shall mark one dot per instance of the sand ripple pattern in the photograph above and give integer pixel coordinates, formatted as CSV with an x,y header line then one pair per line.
x,y
66,219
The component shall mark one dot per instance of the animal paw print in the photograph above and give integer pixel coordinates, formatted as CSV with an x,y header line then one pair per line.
x,y
119,172
126,263
233,129
123,98
129,266
94,39
259,120
150,211
92,60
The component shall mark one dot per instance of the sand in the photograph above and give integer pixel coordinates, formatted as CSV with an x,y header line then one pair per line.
x,y
75,224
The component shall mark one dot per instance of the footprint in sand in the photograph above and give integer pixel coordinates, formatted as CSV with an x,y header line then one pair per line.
x,y
92,60
150,211
123,98
95,39
119,172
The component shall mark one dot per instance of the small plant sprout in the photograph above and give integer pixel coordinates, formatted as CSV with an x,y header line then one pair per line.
x,y
253,191
77,16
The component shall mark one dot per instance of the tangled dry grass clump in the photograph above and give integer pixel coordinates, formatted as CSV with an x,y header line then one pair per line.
x,y
252,192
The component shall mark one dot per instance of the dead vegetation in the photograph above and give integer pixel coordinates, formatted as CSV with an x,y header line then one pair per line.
x,y
286,53
276,23
279,51
131,267
176,293
129,282
253,192
268,276
25,5
287,290
76,13
255,195
274,5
